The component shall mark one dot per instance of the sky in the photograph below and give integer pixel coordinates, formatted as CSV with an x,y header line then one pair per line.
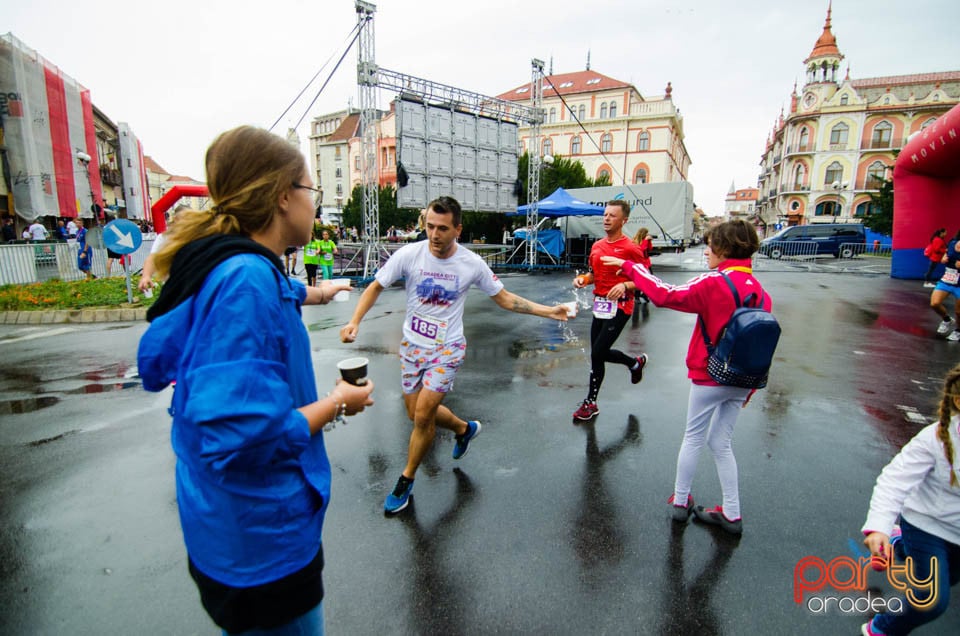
x,y
181,72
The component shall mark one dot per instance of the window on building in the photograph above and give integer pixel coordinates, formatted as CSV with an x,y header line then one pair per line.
x,y
643,141
834,173
573,113
606,142
864,209
553,115
613,109
604,175
827,208
928,122
839,134
336,153
340,188
882,133
339,172
547,146
603,110
844,99
582,112
356,162
575,146
804,138
875,174
799,174
640,176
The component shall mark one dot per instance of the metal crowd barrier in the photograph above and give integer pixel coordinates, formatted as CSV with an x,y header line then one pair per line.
x,y
789,249
25,263
854,250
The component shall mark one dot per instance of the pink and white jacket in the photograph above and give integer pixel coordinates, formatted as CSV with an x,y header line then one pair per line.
x,y
708,296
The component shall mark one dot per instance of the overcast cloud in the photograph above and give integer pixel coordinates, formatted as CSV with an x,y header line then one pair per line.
x,y
181,72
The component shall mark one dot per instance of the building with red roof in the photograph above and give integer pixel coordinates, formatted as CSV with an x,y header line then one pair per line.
x,y
609,126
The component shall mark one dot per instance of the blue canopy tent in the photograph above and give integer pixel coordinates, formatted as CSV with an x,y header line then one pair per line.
x,y
560,203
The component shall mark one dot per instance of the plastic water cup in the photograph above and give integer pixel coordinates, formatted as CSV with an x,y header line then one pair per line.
x,y
354,370
341,296
571,308
148,292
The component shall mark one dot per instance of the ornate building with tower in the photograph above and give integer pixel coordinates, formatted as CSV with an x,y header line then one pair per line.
x,y
836,145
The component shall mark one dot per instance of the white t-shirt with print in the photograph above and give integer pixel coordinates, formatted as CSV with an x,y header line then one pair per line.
x,y
436,290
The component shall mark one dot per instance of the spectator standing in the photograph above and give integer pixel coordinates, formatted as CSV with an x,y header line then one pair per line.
x,y
252,473
9,231
84,251
37,231
72,229
712,408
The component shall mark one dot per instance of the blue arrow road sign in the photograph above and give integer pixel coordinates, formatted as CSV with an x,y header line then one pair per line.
x,y
122,236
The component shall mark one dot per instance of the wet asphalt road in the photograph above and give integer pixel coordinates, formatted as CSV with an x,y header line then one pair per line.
x,y
545,527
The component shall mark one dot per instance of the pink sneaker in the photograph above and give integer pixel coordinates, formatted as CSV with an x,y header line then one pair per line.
x,y
867,629
715,516
681,513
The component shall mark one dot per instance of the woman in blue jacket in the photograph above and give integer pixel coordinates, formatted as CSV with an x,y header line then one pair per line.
x,y
253,478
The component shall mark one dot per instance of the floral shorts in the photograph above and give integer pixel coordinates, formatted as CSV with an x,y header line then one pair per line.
x,y
431,368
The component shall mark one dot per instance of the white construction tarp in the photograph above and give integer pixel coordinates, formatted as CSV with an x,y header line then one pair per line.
x,y
48,134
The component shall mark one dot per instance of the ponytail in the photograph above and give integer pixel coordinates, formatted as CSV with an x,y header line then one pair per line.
x,y
946,410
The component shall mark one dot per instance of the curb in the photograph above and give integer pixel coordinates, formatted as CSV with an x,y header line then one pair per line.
x,y
75,316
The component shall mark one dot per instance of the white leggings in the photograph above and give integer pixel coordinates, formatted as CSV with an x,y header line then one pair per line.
x,y
711,414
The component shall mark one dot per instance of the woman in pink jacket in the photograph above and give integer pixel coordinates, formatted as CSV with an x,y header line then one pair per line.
x,y
712,408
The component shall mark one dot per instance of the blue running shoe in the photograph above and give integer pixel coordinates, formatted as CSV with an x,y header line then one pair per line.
x,y
463,441
400,497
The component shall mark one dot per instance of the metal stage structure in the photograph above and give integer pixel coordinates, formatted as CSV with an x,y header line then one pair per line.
x,y
370,77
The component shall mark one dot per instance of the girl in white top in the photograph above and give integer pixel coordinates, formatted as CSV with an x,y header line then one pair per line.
x,y
921,485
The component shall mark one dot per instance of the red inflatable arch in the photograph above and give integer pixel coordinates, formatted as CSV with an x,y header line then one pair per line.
x,y
926,184
167,200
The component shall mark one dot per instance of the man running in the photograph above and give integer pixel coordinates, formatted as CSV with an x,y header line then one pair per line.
x,y
437,274
613,298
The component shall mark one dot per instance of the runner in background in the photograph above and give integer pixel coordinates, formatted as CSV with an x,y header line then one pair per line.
x,y
612,305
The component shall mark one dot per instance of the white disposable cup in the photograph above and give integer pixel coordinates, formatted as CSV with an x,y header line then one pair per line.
x,y
148,292
571,308
341,296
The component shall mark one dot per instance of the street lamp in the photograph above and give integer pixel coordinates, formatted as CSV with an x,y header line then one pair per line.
x,y
839,187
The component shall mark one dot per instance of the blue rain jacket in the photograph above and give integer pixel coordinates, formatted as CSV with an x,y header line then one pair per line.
x,y
252,483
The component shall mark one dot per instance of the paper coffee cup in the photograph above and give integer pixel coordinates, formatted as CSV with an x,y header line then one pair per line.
x,y
341,296
354,370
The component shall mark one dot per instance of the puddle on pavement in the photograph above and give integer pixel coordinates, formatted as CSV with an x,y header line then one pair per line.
x,y
27,405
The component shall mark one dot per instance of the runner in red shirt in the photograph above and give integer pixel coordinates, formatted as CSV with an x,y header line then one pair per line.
x,y
612,305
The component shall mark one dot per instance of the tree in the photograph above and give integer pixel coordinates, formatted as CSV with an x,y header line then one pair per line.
x,y
390,214
563,173
880,218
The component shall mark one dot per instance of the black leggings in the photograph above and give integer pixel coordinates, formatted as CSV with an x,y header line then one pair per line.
x,y
928,277
603,333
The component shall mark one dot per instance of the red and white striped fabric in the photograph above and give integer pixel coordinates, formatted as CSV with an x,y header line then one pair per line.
x,y
47,121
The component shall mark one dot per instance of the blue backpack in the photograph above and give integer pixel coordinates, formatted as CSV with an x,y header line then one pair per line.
x,y
744,350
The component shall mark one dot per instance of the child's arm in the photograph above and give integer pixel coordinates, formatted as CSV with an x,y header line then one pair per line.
x,y
910,467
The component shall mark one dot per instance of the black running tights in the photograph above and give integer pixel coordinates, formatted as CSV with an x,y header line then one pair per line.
x,y
603,333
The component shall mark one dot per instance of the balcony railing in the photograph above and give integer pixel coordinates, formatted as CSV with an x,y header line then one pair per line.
x,y
840,146
110,176
878,144
800,148
797,187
